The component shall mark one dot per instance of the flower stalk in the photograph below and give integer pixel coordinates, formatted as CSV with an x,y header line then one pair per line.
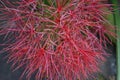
x,y
117,23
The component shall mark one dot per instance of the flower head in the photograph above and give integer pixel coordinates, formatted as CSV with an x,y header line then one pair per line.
x,y
56,39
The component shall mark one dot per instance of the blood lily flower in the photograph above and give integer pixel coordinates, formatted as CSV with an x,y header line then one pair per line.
x,y
55,39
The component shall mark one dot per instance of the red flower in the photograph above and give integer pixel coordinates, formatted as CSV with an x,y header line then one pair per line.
x,y
59,39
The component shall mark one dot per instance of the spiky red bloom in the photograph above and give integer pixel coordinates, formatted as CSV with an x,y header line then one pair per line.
x,y
56,39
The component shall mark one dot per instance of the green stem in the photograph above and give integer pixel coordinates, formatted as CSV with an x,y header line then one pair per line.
x,y
117,24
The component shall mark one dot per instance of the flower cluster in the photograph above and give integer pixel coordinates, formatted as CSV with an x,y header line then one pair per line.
x,y
55,39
